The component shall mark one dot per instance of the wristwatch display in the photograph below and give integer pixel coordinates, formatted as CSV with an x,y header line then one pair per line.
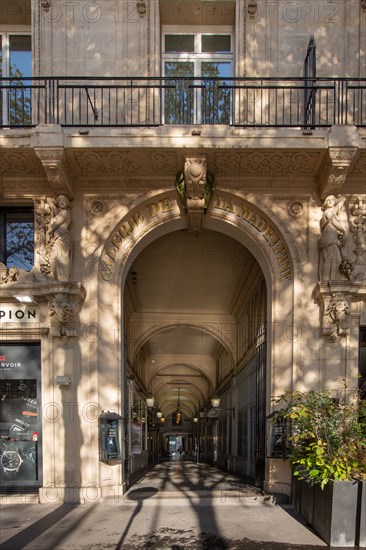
x,y
11,461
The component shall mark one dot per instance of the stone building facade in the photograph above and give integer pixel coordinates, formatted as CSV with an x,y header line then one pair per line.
x,y
191,176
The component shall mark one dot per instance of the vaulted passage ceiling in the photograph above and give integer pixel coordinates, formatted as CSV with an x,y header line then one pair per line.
x,y
183,289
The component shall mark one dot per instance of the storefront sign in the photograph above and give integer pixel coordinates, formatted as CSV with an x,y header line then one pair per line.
x,y
16,314
129,229
248,214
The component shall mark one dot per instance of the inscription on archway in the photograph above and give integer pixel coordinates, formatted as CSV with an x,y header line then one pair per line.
x,y
246,213
235,208
130,228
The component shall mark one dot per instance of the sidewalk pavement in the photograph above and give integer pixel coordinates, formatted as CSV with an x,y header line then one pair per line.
x,y
175,506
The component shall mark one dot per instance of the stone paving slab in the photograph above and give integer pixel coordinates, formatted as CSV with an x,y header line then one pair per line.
x,y
178,519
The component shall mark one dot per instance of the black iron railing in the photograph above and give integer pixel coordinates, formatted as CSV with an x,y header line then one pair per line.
x,y
244,102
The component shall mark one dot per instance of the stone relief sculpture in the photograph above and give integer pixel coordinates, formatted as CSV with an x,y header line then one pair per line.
x,y
338,311
61,308
332,239
195,184
59,238
358,228
54,242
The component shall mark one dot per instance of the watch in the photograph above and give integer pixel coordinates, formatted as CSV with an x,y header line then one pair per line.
x,y
11,461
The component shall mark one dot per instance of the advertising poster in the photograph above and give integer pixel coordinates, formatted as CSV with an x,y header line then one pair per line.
x,y
136,438
20,421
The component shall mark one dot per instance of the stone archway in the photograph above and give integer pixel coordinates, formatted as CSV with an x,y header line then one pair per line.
x,y
230,214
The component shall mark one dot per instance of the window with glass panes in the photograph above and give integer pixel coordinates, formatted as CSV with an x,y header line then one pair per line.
x,y
15,65
197,66
17,237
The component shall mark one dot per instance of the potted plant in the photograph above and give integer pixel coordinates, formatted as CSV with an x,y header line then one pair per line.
x,y
326,445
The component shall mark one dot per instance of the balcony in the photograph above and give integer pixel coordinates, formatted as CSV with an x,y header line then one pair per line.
x,y
150,102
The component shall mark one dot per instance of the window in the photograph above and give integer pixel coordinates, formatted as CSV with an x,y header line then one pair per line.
x,y
197,65
17,237
15,64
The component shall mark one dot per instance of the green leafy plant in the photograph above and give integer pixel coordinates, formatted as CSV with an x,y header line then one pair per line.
x,y
326,436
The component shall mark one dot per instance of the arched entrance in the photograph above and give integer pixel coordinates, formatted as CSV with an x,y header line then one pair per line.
x,y
248,355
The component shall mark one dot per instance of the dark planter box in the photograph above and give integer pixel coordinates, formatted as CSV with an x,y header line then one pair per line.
x,y
361,515
303,499
335,513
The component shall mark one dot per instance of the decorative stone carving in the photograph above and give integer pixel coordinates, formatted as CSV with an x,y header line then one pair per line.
x,y
53,239
141,8
97,208
334,169
358,228
63,311
8,275
363,4
17,276
295,209
102,164
54,163
252,9
337,311
195,187
335,299
195,182
332,239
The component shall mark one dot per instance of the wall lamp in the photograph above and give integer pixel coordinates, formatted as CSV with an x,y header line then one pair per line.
x,y
215,402
150,400
26,299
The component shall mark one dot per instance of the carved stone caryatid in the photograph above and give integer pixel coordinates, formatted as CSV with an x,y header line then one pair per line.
x,y
358,228
53,238
336,317
332,239
54,163
195,186
334,169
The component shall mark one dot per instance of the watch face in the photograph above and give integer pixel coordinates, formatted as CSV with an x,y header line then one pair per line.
x,y
11,461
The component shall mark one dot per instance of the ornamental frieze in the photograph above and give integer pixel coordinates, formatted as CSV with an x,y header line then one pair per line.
x,y
104,163
249,163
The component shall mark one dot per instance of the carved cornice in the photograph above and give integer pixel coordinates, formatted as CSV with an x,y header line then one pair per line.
x,y
53,160
333,172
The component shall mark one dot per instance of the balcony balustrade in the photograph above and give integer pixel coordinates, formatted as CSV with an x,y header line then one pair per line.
x,y
146,102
